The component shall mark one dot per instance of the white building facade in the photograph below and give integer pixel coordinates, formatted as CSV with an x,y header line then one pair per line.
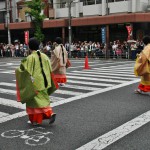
x,y
87,19
87,8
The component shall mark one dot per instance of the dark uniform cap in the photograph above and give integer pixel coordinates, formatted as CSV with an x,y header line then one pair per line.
x,y
58,40
34,44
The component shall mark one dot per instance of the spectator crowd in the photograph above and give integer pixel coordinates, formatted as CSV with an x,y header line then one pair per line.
x,y
79,49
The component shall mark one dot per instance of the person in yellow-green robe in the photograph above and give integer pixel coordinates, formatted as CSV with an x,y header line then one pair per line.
x,y
142,67
39,67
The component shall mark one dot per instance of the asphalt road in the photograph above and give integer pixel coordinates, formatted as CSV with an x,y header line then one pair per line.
x,y
82,117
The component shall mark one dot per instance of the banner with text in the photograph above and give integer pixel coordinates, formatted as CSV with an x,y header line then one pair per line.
x,y
26,34
129,29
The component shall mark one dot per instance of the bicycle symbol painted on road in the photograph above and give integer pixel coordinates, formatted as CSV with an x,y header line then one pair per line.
x,y
33,137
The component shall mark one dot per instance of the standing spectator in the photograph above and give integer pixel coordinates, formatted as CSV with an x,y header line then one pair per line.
x,y
12,47
21,50
2,50
82,50
25,48
17,48
133,50
59,58
8,51
67,46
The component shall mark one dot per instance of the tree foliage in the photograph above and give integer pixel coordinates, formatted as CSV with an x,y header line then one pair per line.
x,y
35,9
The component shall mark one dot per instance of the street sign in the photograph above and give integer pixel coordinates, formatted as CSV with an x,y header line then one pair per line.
x,y
103,32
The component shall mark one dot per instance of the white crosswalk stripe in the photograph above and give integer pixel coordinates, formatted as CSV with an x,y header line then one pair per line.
x,y
100,76
124,68
71,86
8,72
78,83
7,91
106,73
68,92
11,103
95,79
2,114
8,84
89,83
13,92
118,72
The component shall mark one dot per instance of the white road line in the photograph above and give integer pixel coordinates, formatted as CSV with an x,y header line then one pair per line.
x,y
106,73
3,65
8,72
11,103
21,114
94,93
71,86
89,83
8,84
13,67
79,62
2,114
68,92
14,116
7,91
54,98
123,68
13,92
114,71
96,79
118,133
106,64
100,76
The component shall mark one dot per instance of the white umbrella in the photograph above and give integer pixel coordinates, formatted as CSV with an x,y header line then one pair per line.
x,y
131,41
16,41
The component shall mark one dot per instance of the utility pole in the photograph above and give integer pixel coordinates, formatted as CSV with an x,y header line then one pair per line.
x,y
107,33
69,26
8,19
107,8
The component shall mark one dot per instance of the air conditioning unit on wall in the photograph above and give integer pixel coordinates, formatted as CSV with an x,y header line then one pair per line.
x,y
148,8
81,14
18,20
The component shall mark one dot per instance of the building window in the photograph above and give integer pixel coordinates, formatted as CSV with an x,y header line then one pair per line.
x,y
88,2
2,17
109,1
61,4
119,0
98,1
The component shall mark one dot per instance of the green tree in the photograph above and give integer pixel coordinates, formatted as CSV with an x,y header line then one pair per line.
x,y
35,9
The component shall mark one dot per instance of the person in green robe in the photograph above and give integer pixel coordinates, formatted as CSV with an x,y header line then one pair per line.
x,y
38,66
